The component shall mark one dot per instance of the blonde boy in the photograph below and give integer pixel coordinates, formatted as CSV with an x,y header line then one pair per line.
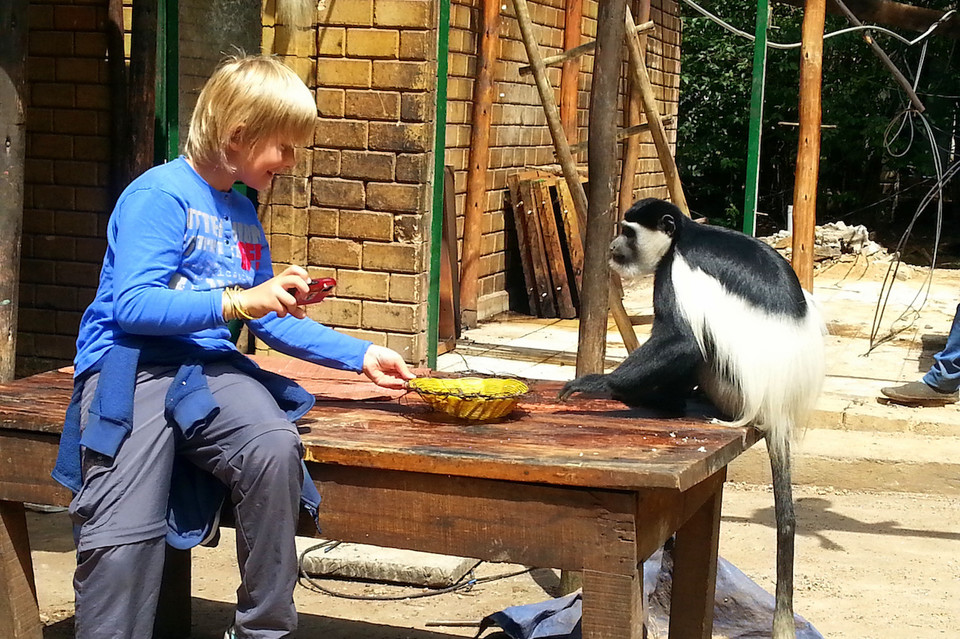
x,y
168,419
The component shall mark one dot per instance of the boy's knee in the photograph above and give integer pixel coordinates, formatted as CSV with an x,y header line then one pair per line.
x,y
274,449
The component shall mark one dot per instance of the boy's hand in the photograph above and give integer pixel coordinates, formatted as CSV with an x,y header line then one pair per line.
x,y
385,367
274,296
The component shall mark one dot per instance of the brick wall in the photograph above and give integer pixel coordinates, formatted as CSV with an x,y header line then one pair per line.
x,y
66,195
357,205
519,135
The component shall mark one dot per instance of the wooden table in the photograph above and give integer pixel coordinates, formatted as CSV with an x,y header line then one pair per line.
x,y
587,485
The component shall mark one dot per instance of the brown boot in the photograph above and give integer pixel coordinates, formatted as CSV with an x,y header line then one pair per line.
x,y
919,394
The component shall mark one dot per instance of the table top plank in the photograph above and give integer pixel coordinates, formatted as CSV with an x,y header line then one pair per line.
x,y
584,442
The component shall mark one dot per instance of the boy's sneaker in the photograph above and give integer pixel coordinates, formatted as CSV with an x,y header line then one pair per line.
x,y
230,633
919,394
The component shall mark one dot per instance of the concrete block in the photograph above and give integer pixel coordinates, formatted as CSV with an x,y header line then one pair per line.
x,y
390,565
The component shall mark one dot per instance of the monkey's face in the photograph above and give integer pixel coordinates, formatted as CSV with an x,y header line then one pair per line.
x,y
637,250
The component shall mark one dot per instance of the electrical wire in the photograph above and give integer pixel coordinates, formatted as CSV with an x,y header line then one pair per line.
x,y
466,582
795,45
910,314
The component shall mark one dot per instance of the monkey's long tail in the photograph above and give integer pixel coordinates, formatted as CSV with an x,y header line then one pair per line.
x,y
783,625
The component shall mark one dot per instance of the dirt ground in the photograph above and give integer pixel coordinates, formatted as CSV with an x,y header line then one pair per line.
x,y
869,566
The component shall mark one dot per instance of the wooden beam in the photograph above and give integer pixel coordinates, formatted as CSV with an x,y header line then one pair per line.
x,y
572,53
808,148
13,123
19,612
142,89
476,202
893,14
597,297
648,99
631,150
629,133
569,74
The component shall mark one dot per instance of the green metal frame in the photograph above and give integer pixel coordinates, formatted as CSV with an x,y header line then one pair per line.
x,y
436,218
756,117
167,119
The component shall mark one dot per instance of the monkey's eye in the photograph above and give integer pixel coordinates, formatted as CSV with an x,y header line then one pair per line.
x,y
627,231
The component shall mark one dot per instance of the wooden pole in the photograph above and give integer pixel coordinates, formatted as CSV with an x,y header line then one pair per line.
x,y
13,123
569,75
142,88
808,148
602,164
119,120
476,201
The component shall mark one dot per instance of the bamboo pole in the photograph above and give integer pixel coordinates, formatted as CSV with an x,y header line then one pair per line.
x,y
476,201
649,101
13,129
808,148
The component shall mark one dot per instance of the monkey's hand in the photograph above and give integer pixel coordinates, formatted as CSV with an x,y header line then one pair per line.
x,y
593,383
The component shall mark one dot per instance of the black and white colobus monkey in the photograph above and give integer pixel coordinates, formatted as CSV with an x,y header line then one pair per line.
x,y
731,318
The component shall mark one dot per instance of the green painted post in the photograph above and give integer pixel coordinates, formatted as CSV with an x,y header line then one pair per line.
x,y
167,119
436,219
756,117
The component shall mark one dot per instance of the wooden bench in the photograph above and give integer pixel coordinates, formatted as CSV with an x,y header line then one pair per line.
x,y
586,485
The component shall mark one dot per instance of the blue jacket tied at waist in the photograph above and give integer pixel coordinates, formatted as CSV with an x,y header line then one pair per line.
x,y
195,495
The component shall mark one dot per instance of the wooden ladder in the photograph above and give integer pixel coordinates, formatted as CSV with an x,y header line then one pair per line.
x,y
654,124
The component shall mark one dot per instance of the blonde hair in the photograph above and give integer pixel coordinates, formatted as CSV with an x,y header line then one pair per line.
x,y
249,99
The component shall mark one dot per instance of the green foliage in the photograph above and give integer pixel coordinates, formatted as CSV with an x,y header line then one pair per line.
x,y
859,99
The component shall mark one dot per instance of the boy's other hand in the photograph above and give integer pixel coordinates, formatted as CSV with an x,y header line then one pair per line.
x,y
274,294
385,367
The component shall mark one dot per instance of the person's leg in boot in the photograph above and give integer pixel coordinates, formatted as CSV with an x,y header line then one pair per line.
x,y
939,386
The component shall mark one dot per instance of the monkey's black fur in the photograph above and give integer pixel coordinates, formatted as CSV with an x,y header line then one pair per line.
x,y
731,318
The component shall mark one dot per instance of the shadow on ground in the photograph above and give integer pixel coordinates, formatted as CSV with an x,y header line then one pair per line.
x,y
210,618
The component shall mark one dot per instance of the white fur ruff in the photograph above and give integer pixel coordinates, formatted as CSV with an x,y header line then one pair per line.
x,y
766,369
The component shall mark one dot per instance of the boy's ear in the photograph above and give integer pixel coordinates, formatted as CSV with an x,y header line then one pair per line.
x,y
236,137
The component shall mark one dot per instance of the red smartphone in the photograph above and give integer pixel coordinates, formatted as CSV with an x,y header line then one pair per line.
x,y
319,289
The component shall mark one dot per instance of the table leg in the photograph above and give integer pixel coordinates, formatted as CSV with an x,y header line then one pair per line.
x,y
19,612
695,571
612,605
173,610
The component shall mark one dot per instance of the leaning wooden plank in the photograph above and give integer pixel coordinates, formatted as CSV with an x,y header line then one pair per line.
x,y
541,268
526,261
552,248
571,229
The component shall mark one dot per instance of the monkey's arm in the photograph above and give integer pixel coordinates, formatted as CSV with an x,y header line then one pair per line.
x,y
661,371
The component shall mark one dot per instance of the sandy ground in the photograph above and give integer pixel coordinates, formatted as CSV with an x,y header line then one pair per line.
x,y
869,565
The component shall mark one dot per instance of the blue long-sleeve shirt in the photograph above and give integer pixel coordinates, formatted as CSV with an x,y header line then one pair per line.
x,y
173,244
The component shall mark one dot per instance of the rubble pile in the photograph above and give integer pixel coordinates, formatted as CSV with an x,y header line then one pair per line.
x,y
833,241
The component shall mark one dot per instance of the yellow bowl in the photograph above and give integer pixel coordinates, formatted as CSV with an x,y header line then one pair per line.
x,y
472,398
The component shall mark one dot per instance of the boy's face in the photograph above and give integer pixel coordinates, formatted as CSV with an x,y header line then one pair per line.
x,y
257,164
